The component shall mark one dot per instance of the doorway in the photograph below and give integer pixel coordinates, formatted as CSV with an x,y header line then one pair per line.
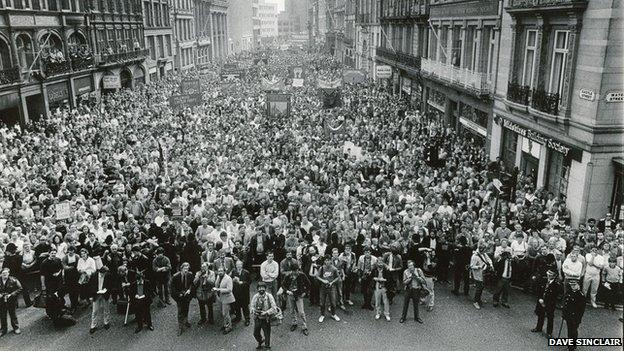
x,y
35,107
530,165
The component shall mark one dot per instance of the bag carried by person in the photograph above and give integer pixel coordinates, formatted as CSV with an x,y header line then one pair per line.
x,y
278,317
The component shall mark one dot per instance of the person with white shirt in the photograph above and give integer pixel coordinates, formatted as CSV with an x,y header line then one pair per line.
x,y
572,268
269,270
594,263
100,294
86,268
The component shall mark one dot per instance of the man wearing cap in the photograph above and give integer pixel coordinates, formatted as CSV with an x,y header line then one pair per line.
x,y
9,289
573,309
262,307
547,302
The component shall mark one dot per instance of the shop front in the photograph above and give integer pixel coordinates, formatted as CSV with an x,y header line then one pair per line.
x,y
58,95
544,160
473,123
9,108
436,102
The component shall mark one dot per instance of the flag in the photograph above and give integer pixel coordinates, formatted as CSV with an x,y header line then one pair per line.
x,y
331,98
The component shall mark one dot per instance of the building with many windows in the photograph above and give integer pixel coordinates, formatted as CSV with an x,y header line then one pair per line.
x,y
267,12
559,101
367,34
240,25
158,38
404,28
53,53
185,42
460,64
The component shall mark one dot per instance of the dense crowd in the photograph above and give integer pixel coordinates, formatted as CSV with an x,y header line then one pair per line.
x,y
373,196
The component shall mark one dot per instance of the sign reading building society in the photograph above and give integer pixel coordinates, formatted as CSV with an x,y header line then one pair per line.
x,y
384,71
567,151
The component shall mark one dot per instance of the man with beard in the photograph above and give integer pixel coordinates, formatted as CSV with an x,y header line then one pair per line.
x,y
262,308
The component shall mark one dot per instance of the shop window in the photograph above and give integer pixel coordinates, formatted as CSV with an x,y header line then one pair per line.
x,y
558,173
510,145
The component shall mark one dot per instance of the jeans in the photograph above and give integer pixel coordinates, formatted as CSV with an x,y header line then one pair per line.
x,y
430,299
502,290
347,286
203,306
339,298
381,296
478,291
367,291
591,281
328,293
262,325
8,308
413,295
100,310
163,290
295,306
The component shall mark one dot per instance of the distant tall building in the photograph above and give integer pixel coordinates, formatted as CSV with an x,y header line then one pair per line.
x,y
184,31
158,38
240,25
267,12
297,11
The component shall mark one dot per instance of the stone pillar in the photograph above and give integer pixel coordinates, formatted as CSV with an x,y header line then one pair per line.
x,y
213,40
541,59
462,49
478,40
575,24
542,166
513,67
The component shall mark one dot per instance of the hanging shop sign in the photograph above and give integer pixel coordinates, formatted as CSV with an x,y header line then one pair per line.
x,y
567,151
473,126
384,71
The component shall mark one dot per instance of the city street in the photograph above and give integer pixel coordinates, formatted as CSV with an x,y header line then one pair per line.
x,y
454,324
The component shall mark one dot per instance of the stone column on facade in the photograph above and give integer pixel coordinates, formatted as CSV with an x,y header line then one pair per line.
x,y
212,37
449,44
513,63
542,167
14,56
462,49
574,27
478,40
226,35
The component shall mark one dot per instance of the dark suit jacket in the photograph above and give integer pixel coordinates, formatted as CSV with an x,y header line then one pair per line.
x,y
241,288
12,288
108,284
389,283
178,287
549,294
148,290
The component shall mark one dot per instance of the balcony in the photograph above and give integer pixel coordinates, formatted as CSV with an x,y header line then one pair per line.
x,y
415,12
54,68
399,57
518,93
10,76
478,83
545,102
109,59
81,63
518,6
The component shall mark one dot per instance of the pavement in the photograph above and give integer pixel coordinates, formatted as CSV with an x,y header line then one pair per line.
x,y
453,324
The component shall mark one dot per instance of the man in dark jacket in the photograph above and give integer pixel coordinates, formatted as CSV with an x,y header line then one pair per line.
x,y
9,289
101,287
13,261
181,285
241,279
142,292
296,285
547,302
461,257
573,310
502,267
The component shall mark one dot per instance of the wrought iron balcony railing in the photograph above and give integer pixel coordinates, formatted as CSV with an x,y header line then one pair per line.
x,y
479,83
10,76
545,102
400,57
53,68
82,63
518,93
123,56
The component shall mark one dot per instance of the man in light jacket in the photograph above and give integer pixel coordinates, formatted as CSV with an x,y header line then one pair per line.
x,y
223,287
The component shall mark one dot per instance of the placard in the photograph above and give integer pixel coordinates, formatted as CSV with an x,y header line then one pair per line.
x,y
63,210
587,94
616,96
111,82
181,101
384,71
190,87
297,82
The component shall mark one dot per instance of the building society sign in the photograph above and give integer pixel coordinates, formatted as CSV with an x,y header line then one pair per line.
x,y
567,151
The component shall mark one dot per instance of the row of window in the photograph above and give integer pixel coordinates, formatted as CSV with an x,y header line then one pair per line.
x,y
186,57
50,5
28,53
159,46
118,40
156,14
184,29
400,7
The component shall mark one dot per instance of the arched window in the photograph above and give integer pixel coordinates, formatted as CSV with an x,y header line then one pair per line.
x,y
51,47
5,55
25,52
76,41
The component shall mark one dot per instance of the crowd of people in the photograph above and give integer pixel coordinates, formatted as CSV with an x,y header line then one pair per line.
x,y
129,202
